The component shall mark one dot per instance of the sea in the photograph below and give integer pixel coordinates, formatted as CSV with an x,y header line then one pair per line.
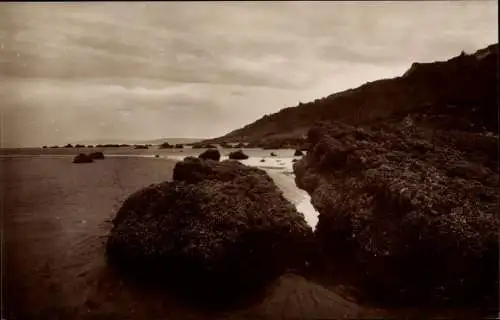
x,y
278,163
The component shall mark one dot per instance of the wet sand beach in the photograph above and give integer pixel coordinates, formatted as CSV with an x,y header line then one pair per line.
x,y
56,217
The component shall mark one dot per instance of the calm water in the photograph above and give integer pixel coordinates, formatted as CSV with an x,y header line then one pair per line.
x,y
279,167
152,151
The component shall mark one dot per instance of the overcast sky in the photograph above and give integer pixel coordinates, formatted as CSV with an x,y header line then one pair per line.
x,y
85,71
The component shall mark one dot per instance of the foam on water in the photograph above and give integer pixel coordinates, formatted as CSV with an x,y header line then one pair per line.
x,y
280,169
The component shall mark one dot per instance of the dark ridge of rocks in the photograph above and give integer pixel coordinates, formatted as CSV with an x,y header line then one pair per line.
x,y
82,158
238,155
219,231
111,145
203,146
96,155
240,146
413,210
166,145
210,154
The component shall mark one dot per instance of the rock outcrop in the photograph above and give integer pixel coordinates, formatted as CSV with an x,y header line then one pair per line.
x,y
298,153
82,158
96,155
414,209
219,230
210,154
238,155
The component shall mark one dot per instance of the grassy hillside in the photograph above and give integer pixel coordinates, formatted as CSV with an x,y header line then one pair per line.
x,y
467,82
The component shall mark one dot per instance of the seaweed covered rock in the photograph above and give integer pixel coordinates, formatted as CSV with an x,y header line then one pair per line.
x,y
210,154
96,155
415,213
219,230
82,158
195,170
298,152
238,155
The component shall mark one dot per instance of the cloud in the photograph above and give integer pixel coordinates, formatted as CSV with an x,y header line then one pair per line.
x,y
201,69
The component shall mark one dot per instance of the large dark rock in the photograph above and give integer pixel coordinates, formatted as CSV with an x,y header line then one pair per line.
x,y
166,145
417,214
298,152
238,155
96,155
219,230
82,158
210,154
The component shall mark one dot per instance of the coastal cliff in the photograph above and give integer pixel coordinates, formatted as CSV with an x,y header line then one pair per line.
x,y
467,83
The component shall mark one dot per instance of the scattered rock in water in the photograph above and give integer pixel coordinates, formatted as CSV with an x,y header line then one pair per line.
x,y
82,158
273,154
417,226
210,154
157,156
203,146
298,152
220,230
97,155
238,155
262,160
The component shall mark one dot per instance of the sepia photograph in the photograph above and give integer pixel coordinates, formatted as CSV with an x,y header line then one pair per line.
x,y
249,160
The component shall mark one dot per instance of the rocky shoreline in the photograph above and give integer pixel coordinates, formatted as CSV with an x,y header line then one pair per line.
x,y
417,219
216,225
401,218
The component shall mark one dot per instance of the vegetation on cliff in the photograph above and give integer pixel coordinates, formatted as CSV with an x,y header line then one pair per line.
x,y
463,80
